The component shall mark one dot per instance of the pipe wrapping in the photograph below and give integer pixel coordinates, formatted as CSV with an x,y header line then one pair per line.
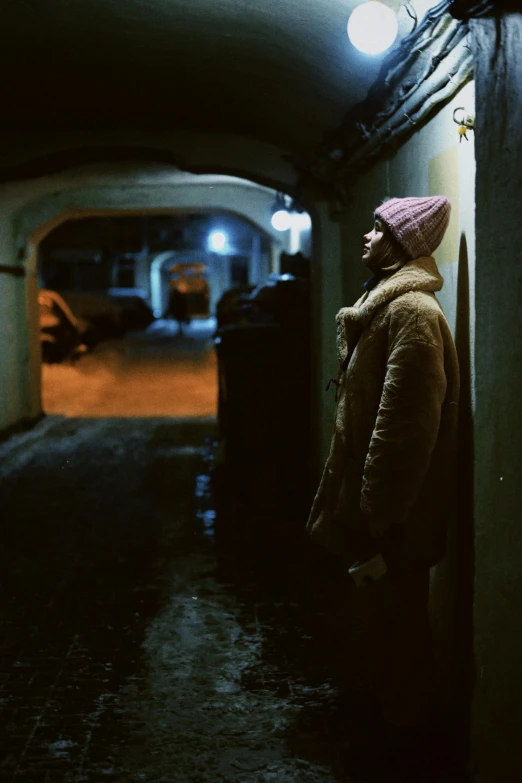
x,y
427,69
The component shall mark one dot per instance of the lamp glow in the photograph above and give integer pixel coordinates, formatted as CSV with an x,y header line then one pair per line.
x,y
372,27
281,220
218,241
303,221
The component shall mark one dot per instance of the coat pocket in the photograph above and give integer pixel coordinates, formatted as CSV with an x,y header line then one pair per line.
x,y
338,520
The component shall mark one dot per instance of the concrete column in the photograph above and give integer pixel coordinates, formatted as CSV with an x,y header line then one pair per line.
x,y
295,235
226,272
275,257
214,282
497,708
220,278
255,261
113,271
158,284
305,242
31,327
326,281
142,274
15,391
264,266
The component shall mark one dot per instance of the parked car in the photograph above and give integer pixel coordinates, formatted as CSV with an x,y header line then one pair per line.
x,y
112,312
62,334
134,312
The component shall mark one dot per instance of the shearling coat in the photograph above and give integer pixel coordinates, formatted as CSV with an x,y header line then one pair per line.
x,y
393,447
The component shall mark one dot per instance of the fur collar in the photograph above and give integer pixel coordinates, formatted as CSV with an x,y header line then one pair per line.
x,y
420,274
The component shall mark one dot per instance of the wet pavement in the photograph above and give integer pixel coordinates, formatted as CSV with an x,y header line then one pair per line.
x,y
153,629
134,646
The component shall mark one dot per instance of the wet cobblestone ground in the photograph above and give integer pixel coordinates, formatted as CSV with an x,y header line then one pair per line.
x,y
134,645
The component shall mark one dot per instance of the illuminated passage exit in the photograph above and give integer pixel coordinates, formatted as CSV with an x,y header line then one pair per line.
x,y
127,310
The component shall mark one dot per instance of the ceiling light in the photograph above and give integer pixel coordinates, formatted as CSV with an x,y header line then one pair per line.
x,y
281,220
372,27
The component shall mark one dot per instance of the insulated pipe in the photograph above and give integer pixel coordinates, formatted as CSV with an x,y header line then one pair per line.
x,y
419,44
440,86
412,75
452,39
453,44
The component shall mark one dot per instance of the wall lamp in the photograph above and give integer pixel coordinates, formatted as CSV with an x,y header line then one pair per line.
x,y
373,27
285,215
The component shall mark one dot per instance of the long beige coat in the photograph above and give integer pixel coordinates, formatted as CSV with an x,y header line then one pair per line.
x,y
393,448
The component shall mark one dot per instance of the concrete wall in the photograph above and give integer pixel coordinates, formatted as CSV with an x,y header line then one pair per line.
x,y
327,299
14,361
158,192
15,381
476,592
497,709
431,162
44,153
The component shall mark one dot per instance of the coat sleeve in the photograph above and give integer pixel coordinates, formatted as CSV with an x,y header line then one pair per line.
x,y
406,427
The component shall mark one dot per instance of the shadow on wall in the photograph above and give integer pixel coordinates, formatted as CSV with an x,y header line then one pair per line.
x,y
452,580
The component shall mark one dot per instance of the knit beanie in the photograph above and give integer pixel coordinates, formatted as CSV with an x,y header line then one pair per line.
x,y
418,224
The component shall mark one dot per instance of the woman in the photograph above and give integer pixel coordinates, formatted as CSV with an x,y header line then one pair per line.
x,y
385,497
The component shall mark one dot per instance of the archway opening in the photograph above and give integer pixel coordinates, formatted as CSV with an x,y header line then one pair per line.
x,y
129,305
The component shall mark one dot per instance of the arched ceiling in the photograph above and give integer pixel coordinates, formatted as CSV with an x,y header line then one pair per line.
x,y
279,71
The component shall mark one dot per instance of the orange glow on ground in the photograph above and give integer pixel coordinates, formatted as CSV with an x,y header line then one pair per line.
x,y
152,373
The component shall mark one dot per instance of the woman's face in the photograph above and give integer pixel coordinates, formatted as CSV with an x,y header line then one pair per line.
x,y
373,242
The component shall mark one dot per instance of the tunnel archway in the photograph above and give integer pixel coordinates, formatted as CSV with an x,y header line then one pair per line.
x,y
259,263
136,190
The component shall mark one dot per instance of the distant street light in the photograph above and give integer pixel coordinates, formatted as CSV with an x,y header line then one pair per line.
x,y
218,241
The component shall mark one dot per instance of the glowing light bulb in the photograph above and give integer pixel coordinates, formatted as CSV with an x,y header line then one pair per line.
x,y
372,27
281,220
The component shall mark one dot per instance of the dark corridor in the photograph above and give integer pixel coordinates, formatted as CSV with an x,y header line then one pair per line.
x,y
136,645
147,635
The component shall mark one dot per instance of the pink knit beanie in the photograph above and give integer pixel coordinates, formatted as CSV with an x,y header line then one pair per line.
x,y
418,224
